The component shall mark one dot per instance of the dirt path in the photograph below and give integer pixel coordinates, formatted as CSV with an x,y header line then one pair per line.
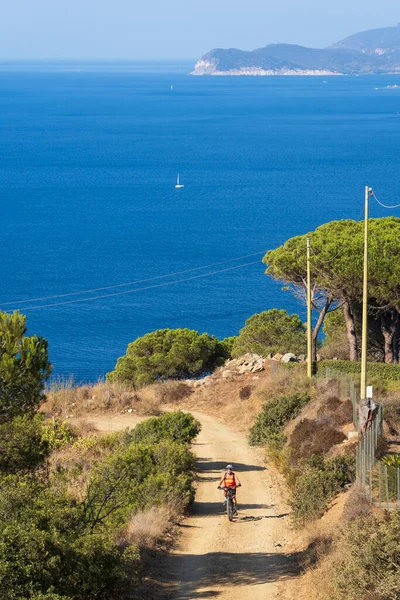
x,y
215,558
238,560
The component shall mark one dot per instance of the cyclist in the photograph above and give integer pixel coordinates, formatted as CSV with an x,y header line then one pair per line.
x,y
230,480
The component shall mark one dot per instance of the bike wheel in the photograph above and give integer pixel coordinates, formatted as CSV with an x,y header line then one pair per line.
x,y
229,508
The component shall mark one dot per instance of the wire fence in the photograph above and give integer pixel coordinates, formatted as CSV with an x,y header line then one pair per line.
x,y
380,481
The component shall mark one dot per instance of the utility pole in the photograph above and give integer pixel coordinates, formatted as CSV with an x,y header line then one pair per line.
x,y
309,313
364,345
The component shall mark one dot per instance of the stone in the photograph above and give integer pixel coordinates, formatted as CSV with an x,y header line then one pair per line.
x,y
302,358
245,369
226,374
277,356
289,357
259,366
352,435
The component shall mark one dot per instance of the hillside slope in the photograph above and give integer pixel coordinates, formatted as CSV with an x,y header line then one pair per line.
x,y
374,51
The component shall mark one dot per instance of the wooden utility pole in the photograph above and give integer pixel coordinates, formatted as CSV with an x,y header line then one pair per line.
x,y
309,314
364,341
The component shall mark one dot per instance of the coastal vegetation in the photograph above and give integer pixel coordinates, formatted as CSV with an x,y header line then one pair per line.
x,y
68,496
169,353
270,332
336,264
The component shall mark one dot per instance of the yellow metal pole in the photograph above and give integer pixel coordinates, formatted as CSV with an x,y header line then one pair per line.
x,y
364,341
309,313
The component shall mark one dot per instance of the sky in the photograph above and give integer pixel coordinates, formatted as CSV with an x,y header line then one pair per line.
x,y
177,29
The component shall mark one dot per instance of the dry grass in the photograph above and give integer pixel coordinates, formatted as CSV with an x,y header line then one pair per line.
x,y
357,504
67,401
313,437
147,528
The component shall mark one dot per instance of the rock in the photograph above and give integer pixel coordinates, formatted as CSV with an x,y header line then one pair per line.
x,y
277,356
352,435
259,366
130,410
246,368
289,357
227,373
301,358
270,356
232,364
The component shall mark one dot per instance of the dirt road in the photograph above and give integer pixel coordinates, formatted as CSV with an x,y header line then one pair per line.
x,y
215,558
238,560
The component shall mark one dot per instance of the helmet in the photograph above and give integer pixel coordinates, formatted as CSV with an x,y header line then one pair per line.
x,y
229,467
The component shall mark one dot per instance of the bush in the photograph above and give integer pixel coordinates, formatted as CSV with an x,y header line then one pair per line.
x,y
22,444
271,331
46,550
386,372
368,564
168,354
175,426
316,484
135,477
268,428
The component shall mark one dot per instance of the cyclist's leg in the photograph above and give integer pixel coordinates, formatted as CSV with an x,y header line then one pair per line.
x,y
234,498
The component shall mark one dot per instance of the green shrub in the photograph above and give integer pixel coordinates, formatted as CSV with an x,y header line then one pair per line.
x,y
136,477
368,564
22,444
175,426
268,428
391,460
168,354
47,552
316,484
386,372
57,433
270,332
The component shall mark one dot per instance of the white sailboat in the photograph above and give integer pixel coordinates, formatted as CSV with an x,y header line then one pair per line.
x,y
178,184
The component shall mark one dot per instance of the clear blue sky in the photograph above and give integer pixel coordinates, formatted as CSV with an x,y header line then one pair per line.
x,y
183,29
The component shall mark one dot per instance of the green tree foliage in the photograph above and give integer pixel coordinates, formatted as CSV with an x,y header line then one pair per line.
x,y
24,367
271,331
336,271
168,354
268,428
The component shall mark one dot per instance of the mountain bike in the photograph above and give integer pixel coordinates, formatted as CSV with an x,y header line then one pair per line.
x,y
229,501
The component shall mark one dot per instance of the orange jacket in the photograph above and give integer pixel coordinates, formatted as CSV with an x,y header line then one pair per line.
x,y
229,480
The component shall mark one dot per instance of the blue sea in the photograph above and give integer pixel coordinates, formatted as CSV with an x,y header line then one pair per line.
x,y
89,155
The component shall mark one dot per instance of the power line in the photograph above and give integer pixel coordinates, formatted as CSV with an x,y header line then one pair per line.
x,y
109,287
384,205
149,287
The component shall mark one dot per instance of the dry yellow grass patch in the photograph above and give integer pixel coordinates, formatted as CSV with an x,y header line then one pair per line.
x,y
147,528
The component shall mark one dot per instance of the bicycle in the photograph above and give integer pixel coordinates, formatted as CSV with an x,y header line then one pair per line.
x,y
229,501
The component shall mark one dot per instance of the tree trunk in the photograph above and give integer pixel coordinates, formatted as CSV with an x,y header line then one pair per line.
x,y
322,315
351,330
389,323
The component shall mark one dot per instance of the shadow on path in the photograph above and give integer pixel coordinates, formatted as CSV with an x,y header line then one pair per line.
x,y
202,573
208,465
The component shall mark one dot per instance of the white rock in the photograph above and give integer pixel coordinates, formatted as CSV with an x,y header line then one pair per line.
x,y
289,357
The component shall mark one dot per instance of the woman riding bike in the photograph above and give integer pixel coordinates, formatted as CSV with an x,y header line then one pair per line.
x,y
230,480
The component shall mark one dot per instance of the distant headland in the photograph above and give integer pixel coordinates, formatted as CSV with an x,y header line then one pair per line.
x,y
369,52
